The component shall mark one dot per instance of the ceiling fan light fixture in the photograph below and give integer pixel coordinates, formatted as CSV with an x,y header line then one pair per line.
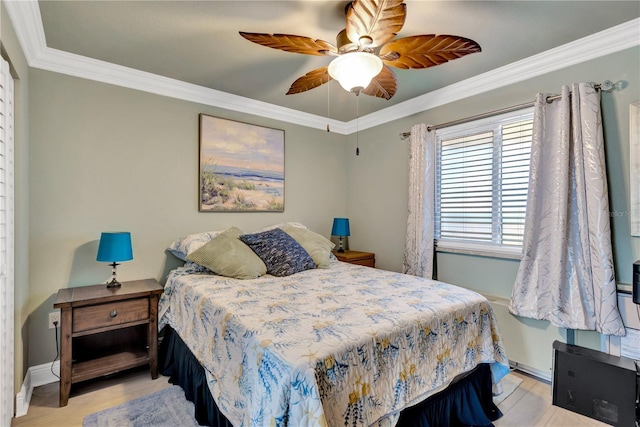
x,y
355,70
371,27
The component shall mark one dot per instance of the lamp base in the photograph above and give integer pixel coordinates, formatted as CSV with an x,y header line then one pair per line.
x,y
114,284
340,251
340,248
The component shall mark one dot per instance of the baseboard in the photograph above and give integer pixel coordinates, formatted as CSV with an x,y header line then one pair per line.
x,y
36,376
24,396
545,376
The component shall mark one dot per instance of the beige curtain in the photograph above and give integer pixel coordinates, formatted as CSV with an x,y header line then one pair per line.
x,y
418,254
566,274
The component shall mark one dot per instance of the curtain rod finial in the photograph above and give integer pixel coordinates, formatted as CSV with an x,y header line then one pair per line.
x,y
607,86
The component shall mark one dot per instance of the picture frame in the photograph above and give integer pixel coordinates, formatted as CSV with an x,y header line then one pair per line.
x,y
634,170
241,166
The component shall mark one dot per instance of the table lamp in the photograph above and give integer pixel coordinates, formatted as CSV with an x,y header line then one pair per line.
x,y
340,229
114,247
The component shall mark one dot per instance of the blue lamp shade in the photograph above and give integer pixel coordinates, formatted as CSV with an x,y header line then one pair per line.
x,y
340,227
115,247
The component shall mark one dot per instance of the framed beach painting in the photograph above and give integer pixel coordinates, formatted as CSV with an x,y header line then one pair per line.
x,y
241,167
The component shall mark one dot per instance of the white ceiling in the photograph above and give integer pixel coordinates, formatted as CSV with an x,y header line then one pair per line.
x,y
197,43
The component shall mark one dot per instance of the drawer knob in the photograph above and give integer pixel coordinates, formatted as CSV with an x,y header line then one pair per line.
x,y
113,313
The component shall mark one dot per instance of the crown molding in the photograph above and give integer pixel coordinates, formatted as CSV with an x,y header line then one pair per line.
x,y
612,40
105,72
27,22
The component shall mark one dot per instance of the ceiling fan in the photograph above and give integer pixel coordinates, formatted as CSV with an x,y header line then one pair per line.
x,y
366,49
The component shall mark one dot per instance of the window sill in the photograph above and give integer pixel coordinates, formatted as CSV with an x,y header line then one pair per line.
x,y
478,250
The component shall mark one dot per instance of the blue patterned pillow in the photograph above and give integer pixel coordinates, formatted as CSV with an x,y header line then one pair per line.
x,y
279,251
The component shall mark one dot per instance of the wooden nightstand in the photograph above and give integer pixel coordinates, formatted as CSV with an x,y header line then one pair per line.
x,y
355,257
106,330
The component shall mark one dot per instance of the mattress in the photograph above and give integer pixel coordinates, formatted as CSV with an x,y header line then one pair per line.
x,y
342,345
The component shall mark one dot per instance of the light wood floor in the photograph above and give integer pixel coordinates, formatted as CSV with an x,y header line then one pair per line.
x,y
528,405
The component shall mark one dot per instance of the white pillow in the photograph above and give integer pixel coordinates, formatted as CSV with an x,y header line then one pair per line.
x,y
283,224
182,247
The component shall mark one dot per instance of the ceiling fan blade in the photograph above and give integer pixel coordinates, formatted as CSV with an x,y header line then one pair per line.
x,y
291,43
310,80
372,23
426,50
383,85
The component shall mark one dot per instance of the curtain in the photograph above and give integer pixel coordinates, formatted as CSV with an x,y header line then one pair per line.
x,y
418,253
566,274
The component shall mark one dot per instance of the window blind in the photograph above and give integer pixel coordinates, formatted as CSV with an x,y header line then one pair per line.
x,y
514,180
482,175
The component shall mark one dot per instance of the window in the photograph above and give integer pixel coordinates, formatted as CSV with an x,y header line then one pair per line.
x,y
482,178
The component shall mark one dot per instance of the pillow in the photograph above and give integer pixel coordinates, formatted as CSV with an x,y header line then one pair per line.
x,y
318,247
282,255
227,256
284,224
185,245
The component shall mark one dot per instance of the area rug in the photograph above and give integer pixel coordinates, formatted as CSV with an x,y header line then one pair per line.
x,y
167,407
509,384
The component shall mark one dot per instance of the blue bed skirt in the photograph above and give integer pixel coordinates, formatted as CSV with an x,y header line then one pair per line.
x,y
466,402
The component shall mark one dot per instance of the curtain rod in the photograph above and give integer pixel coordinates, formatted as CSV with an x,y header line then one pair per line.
x,y
606,86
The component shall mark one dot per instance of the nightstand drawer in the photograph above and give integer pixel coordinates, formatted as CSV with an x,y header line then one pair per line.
x,y
114,313
369,262
368,259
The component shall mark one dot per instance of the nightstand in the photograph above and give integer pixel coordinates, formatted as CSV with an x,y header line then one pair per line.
x,y
107,330
355,257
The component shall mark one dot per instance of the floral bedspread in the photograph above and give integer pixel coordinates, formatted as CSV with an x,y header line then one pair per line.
x,y
346,345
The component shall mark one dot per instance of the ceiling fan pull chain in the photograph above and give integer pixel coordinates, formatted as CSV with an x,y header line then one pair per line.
x,y
328,105
357,124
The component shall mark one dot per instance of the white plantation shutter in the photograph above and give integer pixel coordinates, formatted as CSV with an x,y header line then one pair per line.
x,y
6,245
466,187
482,175
514,180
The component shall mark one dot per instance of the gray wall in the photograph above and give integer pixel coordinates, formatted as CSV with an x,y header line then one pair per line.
x,y
108,158
378,178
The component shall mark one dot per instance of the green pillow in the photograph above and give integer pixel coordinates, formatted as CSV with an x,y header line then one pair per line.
x,y
318,247
228,256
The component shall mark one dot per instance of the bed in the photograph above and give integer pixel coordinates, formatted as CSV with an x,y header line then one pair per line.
x,y
338,345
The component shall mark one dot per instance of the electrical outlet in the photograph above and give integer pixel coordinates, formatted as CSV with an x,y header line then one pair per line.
x,y
54,317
